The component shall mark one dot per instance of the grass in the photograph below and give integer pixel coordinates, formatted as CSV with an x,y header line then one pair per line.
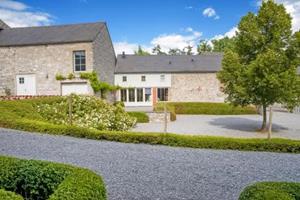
x,y
196,108
141,117
271,191
21,115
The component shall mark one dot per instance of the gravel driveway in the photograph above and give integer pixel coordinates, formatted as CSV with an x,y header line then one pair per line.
x,y
286,125
142,172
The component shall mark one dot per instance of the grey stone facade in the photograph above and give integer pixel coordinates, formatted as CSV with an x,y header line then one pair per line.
x,y
45,61
195,87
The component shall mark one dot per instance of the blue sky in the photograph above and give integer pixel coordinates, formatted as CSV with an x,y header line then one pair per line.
x,y
171,23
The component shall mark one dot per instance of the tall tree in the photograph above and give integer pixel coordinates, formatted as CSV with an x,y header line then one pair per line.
x,y
261,68
141,52
204,46
222,44
157,50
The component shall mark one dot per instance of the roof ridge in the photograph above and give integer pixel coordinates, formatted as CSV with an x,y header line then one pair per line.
x,y
60,25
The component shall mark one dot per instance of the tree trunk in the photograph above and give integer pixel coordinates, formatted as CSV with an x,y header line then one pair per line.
x,y
270,123
264,123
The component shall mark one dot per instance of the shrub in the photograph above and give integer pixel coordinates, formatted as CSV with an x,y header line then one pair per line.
x,y
45,180
271,191
140,116
196,108
6,195
71,76
60,77
88,112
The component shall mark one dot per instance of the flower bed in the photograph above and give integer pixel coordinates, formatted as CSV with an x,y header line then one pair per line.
x,y
34,180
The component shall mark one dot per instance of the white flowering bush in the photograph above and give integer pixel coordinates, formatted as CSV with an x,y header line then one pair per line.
x,y
88,112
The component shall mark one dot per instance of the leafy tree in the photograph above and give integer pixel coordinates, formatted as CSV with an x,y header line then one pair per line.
x,y
204,46
261,68
141,52
157,50
188,50
175,51
222,44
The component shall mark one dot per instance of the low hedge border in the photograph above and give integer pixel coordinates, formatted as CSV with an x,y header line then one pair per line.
x,y
7,195
271,191
35,180
208,142
141,117
203,108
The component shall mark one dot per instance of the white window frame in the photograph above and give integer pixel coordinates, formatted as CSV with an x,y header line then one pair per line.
x,y
74,61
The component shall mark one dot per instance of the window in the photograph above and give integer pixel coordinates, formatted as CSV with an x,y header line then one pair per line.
x,y
147,94
162,94
21,80
162,78
131,93
124,78
124,95
143,78
139,94
79,61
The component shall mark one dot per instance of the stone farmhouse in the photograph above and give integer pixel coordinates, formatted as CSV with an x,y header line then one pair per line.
x,y
183,78
31,58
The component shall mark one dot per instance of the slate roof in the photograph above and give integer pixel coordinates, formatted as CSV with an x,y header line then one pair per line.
x,y
50,34
210,62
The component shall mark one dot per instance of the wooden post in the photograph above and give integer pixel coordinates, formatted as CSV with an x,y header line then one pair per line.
x,y
166,118
270,123
70,109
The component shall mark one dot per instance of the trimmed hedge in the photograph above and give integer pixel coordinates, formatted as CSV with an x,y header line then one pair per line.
x,y
140,116
271,191
196,108
21,115
35,180
6,195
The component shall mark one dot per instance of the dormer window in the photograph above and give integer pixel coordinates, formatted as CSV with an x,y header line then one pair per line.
x,y
124,78
143,78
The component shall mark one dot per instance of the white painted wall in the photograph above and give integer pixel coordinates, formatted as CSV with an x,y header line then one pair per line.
x,y
75,88
134,80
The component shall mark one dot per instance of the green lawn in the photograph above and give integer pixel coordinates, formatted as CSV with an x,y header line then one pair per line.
x,y
141,117
22,115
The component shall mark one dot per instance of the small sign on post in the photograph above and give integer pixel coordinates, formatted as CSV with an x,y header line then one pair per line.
x,y
165,118
70,109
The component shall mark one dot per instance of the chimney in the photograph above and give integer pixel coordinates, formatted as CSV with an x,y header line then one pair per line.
x,y
123,54
3,25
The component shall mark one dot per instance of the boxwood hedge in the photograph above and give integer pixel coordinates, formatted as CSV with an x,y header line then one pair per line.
x,y
36,180
271,191
21,115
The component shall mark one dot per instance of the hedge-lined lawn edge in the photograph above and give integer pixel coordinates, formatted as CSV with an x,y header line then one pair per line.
x,y
175,140
271,190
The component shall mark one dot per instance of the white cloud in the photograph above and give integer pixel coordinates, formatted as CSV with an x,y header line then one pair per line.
x,y
166,42
231,33
17,14
210,12
13,5
128,48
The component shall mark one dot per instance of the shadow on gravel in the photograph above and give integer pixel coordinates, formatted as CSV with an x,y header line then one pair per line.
x,y
242,124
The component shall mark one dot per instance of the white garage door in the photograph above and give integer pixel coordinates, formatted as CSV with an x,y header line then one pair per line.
x,y
75,88
26,84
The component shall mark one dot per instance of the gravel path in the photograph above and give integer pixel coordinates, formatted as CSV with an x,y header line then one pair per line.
x,y
286,125
138,171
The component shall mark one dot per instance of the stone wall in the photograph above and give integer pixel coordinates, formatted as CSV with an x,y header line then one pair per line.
x,y
158,117
195,87
45,61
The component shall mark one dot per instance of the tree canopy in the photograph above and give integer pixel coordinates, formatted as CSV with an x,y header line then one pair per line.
x,y
261,67
141,52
